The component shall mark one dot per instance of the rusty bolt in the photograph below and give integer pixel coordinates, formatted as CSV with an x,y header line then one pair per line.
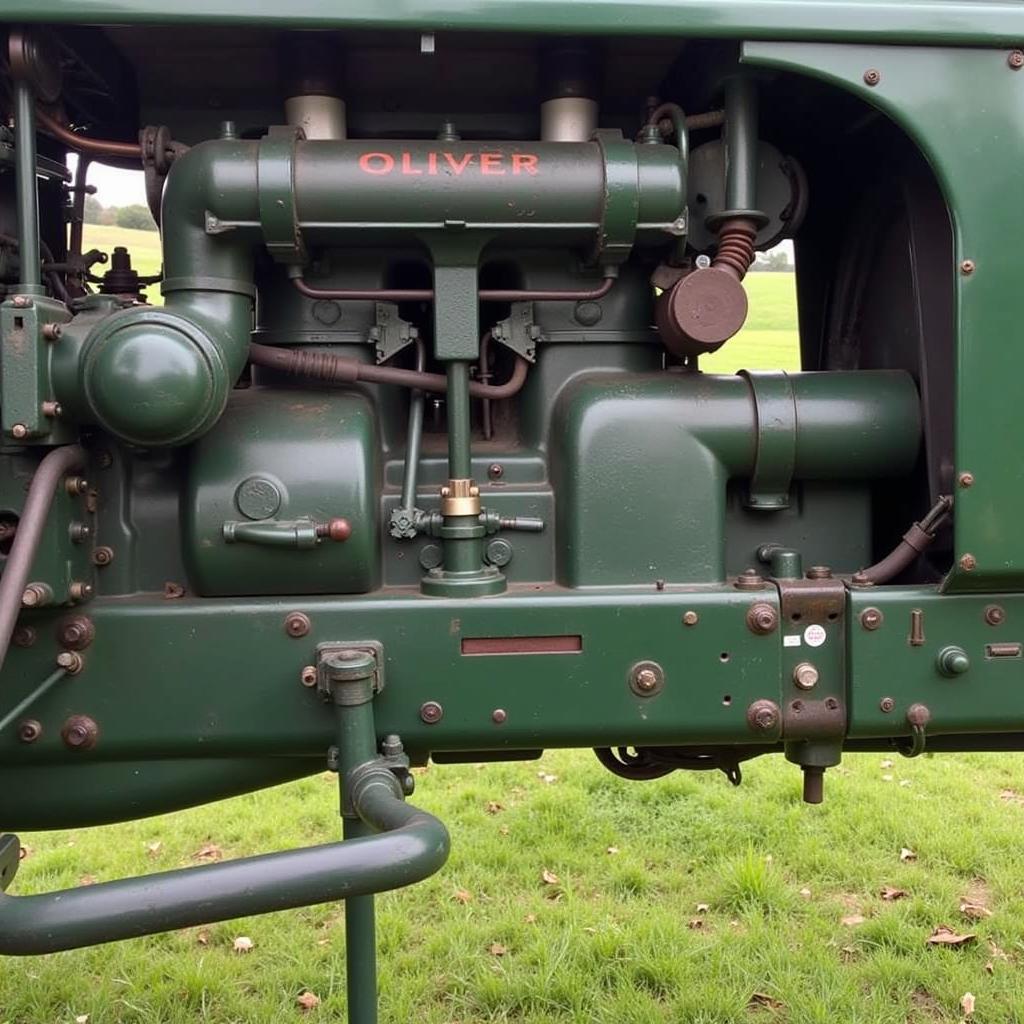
x,y
36,594
172,591
763,715
886,704
749,579
80,732
762,618
495,470
431,712
296,624
19,431
819,572
871,618
646,679
965,480
309,676
50,409
76,485
103,555
1016,60
76,632
805,676
831,703
995,615
52,332
29,731
21,301
968,562
967,267
70,661
498,716
872,76
690,618
79,590
79,532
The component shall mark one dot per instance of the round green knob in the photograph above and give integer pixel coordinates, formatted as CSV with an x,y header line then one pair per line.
x,y
953,661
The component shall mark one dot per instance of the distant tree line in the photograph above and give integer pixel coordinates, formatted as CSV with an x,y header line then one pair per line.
x,y
776,260
135,216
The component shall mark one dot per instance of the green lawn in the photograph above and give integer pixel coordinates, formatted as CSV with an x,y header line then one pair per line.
x,y
678,901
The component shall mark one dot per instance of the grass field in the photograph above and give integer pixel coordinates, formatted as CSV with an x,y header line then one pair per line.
x,y
573,896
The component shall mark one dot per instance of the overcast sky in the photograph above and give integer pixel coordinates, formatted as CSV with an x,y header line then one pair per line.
x,y
115,187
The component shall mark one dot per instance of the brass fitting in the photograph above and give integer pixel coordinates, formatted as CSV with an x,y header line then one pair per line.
x,y
460,498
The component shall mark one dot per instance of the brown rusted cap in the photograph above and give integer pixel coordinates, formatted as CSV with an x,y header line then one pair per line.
x,y
339,529
703,311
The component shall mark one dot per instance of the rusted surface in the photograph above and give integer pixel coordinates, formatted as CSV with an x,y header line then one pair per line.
x,y
565,644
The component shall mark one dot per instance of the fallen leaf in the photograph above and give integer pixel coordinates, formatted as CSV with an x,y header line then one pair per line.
x,y
848,952
945,936
497,949
208,851
503,831
1011,796
907,854
82,1018
806,893
544,777
703,908
887,778
975,911
853,920
153,848
549,877
999,954
989,968
87,880
493,807
308,1001
203,938
761,1000
885,764
530,919
243,944
462,896
967,1004
904,782
612,850
696,923
890,893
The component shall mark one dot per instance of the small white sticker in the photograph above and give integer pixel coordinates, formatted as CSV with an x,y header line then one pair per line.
x,y
814,636
791,641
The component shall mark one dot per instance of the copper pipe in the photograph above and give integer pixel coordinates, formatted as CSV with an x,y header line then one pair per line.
x,y
83,144
427,294
334,369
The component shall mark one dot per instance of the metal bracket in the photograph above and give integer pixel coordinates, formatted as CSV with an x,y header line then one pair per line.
x,y
10,859
775,411
275,183
372,647
390,334
518,331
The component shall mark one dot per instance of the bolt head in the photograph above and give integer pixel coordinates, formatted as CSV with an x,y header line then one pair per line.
x,y
690,618
871,618
21,301
495,470
763,715
1016,59
995,615
646,679
872,76
762,618
308,676
103,555
29,731
965,480
80,732
968,562
23,636
339,529
967,267
805,676
70,661
296,624
886,704
19,430
498,716
431,712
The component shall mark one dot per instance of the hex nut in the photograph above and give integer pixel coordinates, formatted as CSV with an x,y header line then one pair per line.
x,y
967,267
872,77
764,716
646,678
1015,60
102,556
29,731
968,562
886,704
80,732
309,675
690,618
71,662
965,480
762,618
805,676
76,632
871,619
995,615
431,712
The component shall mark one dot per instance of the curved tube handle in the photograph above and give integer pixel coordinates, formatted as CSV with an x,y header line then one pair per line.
x,y
412,846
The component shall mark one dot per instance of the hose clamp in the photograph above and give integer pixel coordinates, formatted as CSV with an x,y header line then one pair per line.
x,y
275,188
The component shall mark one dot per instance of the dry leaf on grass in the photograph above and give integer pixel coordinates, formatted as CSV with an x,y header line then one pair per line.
x,y
549,877
82,1018
497,949
946,936
997,953
308,1001
889,893
990,968
462,896
1011,796
703,908
885,764
545,777
763,1001
153,848
853,920
203,939
967,1004
806,893
887,778
243,944
87,880
493,807
696,923
612,850
208,851
530,919
503,831
907,854
975,911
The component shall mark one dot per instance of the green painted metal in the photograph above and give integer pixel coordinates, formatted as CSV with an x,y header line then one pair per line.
x,y
957,22
971,148
28,200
